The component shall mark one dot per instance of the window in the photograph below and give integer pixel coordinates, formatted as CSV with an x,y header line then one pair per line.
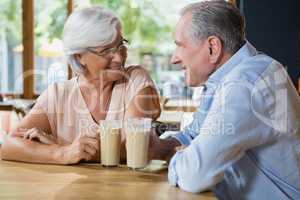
x,y
50,64
148,24
11,68
49,18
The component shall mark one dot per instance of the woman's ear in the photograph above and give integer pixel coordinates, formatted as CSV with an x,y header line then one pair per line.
x,y
78,57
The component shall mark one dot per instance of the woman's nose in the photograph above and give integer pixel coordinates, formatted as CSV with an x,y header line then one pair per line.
x,y
117,57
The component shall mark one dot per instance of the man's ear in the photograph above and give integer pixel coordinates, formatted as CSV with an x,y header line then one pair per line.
x,y
215,49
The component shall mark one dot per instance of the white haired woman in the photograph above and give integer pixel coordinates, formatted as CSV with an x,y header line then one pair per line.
x,y
62,126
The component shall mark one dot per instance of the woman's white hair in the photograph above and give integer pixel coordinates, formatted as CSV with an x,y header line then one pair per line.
x,y
88,27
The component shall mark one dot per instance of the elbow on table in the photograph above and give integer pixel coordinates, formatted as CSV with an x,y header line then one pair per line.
x,y
197,182
5,149
191,186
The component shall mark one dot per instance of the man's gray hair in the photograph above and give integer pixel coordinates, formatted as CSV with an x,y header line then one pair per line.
x,y
217,18
88,27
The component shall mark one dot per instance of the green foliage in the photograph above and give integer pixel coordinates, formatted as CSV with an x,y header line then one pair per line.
x,y
143,24
11,20
50,17
49,20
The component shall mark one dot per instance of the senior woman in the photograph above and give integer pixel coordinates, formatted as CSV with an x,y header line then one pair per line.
x,y
62,126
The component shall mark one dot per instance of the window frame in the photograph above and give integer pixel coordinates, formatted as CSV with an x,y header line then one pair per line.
x,y
28,43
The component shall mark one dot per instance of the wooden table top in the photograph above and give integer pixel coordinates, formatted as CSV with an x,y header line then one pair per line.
x,y
10,105
6,106
186,105
86,181
175,116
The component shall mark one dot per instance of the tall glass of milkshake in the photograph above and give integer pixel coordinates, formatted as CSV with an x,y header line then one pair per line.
x,y
110,142
137,132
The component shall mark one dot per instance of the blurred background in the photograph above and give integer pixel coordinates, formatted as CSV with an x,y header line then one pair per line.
x,y
272,26
147,24
31,52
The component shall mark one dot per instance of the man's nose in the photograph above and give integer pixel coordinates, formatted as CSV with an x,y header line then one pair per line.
x,y
175,59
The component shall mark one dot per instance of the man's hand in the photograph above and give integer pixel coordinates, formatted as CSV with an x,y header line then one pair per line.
x,y
161,149
153,151
180,148
83,148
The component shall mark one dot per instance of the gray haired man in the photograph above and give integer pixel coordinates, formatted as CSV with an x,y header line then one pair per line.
x,y
244,141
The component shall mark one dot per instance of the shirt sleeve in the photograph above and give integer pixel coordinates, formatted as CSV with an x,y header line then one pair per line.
x,y
186,136
229,128
191,131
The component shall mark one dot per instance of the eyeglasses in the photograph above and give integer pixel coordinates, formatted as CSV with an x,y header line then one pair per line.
x,y
111,51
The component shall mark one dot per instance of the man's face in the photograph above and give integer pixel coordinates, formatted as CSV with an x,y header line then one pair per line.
x,y
192,55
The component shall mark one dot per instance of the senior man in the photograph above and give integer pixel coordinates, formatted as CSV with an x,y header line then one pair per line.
x,y
244,141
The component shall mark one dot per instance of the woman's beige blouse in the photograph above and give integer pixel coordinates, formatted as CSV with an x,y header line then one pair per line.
x,y
68,113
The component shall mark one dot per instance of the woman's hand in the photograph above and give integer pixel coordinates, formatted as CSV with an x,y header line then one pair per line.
x,y
82,148
37,134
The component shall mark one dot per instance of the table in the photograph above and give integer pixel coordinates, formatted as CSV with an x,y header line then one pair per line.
x,y
6,106
186,105
178,119
174,121
170,116
12,111
86,181
17,104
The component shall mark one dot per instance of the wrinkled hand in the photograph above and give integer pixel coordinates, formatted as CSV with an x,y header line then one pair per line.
x,y
19,132
37,134
83,148
161,149
153,150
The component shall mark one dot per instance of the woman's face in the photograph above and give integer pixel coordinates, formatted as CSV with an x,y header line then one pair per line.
x,y
105,63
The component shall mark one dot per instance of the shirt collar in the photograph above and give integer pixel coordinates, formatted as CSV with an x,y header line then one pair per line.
x,y
247,50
